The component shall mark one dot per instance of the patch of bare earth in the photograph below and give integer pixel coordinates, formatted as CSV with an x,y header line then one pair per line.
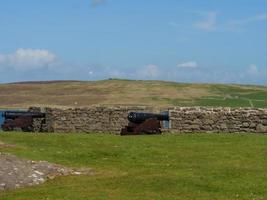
x,y
2,145
19,173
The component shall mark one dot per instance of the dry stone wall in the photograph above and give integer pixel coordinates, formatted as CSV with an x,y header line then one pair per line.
x,y
91,119
221,120
182,119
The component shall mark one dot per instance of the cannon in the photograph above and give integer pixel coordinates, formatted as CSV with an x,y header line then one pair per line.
x,y
144,123
20,120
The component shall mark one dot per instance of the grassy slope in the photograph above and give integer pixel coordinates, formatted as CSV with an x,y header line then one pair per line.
x,y
124,92
148,167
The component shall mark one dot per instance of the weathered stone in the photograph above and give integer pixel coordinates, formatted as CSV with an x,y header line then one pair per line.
x,y
194,127
208,121
182,119
17,173
219,119
223,126
261,128
252,125
245,125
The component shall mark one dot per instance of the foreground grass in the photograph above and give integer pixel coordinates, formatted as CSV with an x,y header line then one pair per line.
x,y
183,167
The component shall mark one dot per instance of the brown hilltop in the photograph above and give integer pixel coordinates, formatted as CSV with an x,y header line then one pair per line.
x,y
127,92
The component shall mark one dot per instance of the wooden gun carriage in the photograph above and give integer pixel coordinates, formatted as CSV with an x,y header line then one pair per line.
x,y
20,120
144,123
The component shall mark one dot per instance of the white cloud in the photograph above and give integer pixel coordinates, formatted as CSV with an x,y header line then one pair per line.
x,y
209,23
150,71
190,64
97,2
253,70
256,18
27,59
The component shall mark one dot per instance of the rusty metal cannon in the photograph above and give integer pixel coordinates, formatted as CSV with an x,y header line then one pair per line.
x,y
20,120
144,123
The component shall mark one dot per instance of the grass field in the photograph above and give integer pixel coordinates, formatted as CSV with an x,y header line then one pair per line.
x,y
201,166
126,92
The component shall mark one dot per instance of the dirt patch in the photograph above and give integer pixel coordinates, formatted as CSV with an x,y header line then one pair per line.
x,y
18,173
2,145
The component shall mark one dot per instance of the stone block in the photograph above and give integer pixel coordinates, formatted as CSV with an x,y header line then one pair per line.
x,y
261,128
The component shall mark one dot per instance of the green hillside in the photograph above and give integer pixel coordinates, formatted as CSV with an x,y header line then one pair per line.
x,y
126,92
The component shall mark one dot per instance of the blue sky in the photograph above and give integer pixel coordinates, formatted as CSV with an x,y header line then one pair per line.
x,y
221,41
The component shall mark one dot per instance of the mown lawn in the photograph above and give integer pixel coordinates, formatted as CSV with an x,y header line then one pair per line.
x,y
193,166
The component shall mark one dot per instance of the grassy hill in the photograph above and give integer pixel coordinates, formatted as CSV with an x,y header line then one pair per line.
x,y
126,92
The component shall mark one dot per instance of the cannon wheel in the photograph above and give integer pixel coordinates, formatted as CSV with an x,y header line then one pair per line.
x,y
8,125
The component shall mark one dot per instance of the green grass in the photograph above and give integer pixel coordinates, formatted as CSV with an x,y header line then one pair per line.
x,y
200,166
224,102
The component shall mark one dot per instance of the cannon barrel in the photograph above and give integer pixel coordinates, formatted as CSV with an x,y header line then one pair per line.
x,y
138,117
16,114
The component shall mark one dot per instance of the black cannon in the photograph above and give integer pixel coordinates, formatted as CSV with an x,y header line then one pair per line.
x,y
20,120
144,123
